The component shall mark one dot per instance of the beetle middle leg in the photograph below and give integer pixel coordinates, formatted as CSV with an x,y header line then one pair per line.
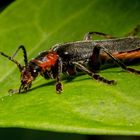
x,y
92,74
89,35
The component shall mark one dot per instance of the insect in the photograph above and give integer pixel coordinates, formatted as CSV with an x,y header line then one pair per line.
x,y
86,55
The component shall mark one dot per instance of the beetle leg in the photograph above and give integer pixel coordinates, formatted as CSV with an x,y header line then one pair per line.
x,y
92,74
58,81
94,60
121,64
89,35
70,70
135,31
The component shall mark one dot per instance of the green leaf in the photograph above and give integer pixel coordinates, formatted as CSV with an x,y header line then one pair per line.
x,y
85,106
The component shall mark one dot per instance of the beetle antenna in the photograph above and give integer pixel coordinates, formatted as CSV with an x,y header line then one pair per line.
x,y
24,54
10,58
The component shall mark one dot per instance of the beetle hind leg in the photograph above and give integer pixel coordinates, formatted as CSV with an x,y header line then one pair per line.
x,y
120,63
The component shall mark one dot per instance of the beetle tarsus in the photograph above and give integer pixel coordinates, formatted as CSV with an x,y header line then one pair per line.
x,y
102,79
133,70
13,91
59,87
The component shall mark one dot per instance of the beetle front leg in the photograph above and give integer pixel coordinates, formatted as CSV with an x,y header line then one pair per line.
x,y
93,75
89,35
58,81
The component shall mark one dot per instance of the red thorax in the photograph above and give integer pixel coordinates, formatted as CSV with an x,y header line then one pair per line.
x,y
47,61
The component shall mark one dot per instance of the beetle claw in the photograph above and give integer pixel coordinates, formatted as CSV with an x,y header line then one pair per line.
x,y
59,87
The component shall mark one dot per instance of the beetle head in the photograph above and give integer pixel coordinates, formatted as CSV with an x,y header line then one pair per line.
x,y
28,74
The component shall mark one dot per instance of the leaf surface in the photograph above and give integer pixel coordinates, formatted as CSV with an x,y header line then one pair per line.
x,y
85,106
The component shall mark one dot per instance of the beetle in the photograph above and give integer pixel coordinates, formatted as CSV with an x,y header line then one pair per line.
x,y
86,55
